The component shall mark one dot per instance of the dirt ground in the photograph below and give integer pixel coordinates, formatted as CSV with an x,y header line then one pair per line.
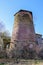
x,y
21,62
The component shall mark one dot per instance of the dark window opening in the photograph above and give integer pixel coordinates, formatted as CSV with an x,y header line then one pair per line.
x,y
15,45
37,42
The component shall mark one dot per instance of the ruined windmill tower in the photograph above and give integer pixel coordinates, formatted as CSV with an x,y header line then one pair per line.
x,y
23,30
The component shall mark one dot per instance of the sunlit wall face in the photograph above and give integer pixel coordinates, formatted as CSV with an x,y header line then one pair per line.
x,y
23,29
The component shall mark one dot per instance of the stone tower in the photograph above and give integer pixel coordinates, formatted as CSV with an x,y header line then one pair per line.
x,y
23,30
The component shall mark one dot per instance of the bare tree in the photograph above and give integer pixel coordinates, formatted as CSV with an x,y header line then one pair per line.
x,y
2,27
4,34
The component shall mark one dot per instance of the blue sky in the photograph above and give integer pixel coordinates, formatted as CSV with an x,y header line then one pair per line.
x,y
9,7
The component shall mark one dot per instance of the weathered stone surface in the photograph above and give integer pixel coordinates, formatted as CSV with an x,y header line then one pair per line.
x,y
23,30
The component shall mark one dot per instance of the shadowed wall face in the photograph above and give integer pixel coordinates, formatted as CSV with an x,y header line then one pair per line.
x,y
23,29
